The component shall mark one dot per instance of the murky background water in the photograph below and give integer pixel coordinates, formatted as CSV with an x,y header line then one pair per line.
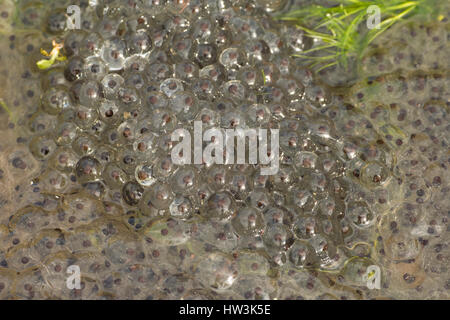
x,y
363,178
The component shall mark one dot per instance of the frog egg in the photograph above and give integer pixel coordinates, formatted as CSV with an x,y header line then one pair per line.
x,y
145,144
181,46
156,100
284,178
128,97
186,70
306,160
126,131
217,177
160,56
204,89
96,189
55,100
56,22
291,86
160,195
111,137
171,86
219,271
139,42
286,66
159,71
84,144
97,128
202,30
132,193
248,221
111,83
258,199
222,106
91,45
232,120
258,114
74,69
277,111
127,160
108,26
271,94
144,175
114,176
105,153
214,72
257,51
208,117
331,165
204,54
135,63
277,236
88,169
374,174
90,94
298,254
318,94
277,215
245,27
181,208
296,40
165,143
177,22
327,207
360,214
220,206
54,181
84,117
94,68
305,227
184,104
222,38
64,160
274,42
164,167
250,76
159,36
113,53
135,80
271,76
109,112
239,186
163,120
302,198
72,42
41,123
42,147
184,180
324,249
75,90
289,141
232,58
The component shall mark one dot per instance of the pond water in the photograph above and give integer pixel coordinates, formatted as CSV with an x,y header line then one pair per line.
x,y
87,178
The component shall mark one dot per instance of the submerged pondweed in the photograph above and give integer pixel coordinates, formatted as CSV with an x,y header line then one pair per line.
x,y
55,55
343,31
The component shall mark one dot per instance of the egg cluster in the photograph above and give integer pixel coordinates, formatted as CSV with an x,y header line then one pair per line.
x,y
140,226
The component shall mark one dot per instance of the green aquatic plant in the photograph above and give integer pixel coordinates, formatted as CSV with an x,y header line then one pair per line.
x,y
341,31
55,55
5,107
